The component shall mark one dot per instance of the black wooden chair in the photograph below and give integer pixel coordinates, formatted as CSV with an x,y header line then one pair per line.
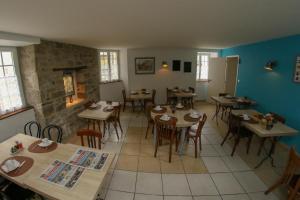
x,y
53,130
237,131
127,100
33,128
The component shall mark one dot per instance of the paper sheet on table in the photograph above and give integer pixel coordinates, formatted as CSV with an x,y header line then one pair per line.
x,y
88,159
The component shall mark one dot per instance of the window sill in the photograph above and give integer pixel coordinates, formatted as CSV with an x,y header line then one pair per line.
x,y
203,80
9,114
107,82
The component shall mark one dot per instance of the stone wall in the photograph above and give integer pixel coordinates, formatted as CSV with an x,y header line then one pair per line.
x,y
49,55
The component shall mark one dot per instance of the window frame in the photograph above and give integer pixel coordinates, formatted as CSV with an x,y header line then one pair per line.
x,y
109,65
199,54
18,75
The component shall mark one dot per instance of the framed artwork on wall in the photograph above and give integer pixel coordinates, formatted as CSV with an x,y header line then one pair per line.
x,y
145,65
187,67
297,70
176,65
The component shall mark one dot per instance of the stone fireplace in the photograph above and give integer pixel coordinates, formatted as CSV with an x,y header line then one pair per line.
x,y
43,68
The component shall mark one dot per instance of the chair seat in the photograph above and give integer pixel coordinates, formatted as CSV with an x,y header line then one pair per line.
x,y
194,127
192,133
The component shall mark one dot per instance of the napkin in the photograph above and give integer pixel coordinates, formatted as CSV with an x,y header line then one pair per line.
x,y
10,165
165,117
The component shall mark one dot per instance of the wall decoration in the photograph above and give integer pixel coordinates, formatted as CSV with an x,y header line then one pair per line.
x,y
187,67
145,65
297,70
176,65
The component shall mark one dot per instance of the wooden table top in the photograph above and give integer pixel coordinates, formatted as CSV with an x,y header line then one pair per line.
x,y
140,95
99,113
86,188
279,129
179,114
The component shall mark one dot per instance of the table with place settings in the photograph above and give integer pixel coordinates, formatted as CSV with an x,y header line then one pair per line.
x,y
184,121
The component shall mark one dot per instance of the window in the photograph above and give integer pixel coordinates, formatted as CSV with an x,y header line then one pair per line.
x,y
202,66
11,96
109,66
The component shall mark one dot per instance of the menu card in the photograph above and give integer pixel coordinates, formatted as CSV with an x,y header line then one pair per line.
x,y
88,159
62,174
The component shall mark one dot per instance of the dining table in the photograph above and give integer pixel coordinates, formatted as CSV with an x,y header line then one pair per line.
x,y
88,186
253,124
184,121
100,113
223,102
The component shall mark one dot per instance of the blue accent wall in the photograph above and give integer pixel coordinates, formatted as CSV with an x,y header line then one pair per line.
x,y
274,91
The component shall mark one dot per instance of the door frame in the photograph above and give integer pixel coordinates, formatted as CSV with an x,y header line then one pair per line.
x,y
237,71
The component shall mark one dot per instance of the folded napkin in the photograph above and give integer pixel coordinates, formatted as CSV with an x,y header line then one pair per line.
x,y
10,165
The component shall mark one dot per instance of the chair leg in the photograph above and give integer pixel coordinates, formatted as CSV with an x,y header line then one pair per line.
x,y
147,130
262,142
176,142
170,149
278,183
225,138
120,125
196,148
124,105
237,141
156,145
116,129
200,143
249,143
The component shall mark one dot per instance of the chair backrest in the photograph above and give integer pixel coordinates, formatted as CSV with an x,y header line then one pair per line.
x,y
93,138
201,123
234,124
192,89
165,128
222,94
153,95
33,128
53,130
149,107
292,167
278,117
124,95
117,111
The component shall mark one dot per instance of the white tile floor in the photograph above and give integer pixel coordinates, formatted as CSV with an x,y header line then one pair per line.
x,y
228,178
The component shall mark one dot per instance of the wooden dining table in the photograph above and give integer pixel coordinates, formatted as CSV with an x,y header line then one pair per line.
x,y
182,123
223,102
89,185
279,130
98,114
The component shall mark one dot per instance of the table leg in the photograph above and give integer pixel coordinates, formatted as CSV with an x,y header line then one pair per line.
x,y
269,153
218,106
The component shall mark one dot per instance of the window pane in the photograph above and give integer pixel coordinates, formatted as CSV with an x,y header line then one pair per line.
x,y
114,66
10,95
9,71
104,66
7,58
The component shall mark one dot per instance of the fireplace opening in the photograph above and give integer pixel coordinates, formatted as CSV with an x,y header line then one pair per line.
x,y
74,90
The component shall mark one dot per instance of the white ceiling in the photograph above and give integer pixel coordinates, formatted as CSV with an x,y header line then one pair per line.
x,y
152,23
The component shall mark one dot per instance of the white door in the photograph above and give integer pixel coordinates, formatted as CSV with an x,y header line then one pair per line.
x,y
231,74
216,75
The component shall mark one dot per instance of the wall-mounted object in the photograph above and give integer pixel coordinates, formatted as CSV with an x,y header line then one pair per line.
x,y
164,65
187,67
270,65
145,65
176,65
297,70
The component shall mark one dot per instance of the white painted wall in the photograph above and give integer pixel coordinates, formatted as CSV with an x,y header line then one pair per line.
x,y
15,124
162,78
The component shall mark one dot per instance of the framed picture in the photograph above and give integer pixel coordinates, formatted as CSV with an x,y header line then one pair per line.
x,y
297,70
145,65
176,65
187,67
